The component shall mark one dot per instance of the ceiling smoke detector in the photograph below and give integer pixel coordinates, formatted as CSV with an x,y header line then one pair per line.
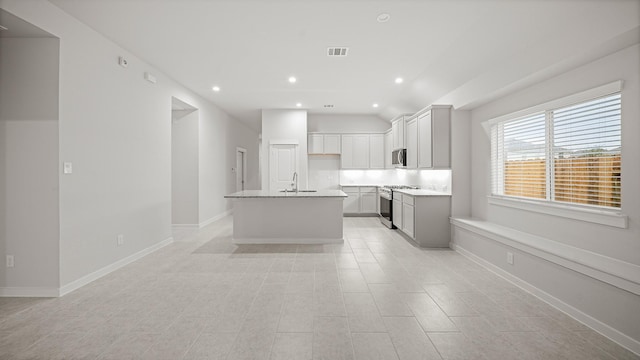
x,y
337,51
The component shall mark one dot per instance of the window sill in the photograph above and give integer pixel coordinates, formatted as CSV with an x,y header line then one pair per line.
x,y
602,217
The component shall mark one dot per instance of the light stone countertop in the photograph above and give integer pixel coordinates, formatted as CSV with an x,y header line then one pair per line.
x,y
268,194
422,192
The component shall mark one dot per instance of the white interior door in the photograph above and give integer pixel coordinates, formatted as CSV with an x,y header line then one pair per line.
x,y
240,169
283,162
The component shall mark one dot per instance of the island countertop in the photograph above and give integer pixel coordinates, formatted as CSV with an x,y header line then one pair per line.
x,y
276,194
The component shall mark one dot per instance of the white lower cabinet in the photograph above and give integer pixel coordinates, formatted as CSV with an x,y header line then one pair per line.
x,y
408,215
360,200
351,205
423,219
368,200
396,211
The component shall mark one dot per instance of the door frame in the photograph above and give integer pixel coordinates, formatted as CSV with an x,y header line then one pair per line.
x,y
296,145
243,169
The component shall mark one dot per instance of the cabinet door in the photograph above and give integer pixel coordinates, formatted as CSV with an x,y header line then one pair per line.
x,y
424,141
407,219
368,203
394,133
397,213
441,137
401,135
376,151
412,144
347,152
332,144
315,144
360,151
351,205
388,144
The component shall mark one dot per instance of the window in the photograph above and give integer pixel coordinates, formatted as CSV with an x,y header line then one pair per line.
x,y
570,154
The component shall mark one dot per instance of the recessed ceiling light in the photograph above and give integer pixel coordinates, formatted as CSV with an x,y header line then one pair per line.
x,y
215,88
399,80
292,79
298,104
375,105
384,17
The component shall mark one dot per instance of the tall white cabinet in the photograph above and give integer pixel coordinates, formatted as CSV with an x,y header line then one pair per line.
x,y
433,130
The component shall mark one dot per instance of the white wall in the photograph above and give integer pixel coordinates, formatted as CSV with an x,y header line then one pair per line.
x,y
621,244
29,163
461,163
605,306
285,125
185,170
346,123
116,129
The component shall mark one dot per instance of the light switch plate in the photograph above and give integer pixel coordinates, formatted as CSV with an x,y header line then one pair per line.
x,y
67,168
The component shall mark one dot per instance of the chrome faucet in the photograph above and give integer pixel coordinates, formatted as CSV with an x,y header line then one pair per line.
x,y
294,182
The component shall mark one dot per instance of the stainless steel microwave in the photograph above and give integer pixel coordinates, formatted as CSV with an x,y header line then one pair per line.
x,y
399,158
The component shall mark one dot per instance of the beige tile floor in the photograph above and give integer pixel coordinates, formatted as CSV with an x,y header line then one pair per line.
x,y
374,297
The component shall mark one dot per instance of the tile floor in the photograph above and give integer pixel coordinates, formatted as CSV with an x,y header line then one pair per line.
x,y
374,297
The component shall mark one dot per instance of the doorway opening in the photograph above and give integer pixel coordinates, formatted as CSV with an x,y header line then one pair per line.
x,y
184,166
241,168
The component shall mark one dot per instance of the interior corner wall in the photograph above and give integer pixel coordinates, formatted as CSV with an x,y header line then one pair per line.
x,y
115,128
29,169
184,170
285,125
460,163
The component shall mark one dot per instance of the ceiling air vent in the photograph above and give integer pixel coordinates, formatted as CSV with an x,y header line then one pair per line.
x,y
328,105
337,51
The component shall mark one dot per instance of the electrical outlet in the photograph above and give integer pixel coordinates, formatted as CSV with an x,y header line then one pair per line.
x,y
123,62
510,258
120,240
10,261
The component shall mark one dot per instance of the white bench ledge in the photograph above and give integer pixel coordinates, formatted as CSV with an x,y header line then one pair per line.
x,y
621,274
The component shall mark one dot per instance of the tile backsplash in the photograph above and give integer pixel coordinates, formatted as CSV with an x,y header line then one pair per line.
x,y
439,180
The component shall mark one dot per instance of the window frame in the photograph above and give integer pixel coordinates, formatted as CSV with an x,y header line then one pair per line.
x,y
591,213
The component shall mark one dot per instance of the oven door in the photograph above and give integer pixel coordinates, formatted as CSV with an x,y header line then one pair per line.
x,y
386,205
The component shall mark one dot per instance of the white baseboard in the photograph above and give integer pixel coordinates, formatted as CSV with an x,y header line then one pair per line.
x,y
215,218
604,329
29,292
74,285
185,226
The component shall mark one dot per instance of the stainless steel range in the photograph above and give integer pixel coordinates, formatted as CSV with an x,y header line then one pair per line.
x,y
385,193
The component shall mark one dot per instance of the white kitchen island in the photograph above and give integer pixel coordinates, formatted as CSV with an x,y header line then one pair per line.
x,y
274,217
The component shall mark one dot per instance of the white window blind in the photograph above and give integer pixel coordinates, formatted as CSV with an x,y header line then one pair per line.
x,y
586,152
570,154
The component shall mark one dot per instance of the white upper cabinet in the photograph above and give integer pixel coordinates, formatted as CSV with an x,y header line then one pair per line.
x,y
388,144
355,151
315,144
434,137
411,140
397,128
323,144
332,143
424,139
376,151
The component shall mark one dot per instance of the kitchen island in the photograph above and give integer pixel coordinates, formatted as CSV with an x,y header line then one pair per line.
x,y
277,217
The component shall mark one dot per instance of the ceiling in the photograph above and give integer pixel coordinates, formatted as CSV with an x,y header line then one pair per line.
x,y
12,26
460,52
